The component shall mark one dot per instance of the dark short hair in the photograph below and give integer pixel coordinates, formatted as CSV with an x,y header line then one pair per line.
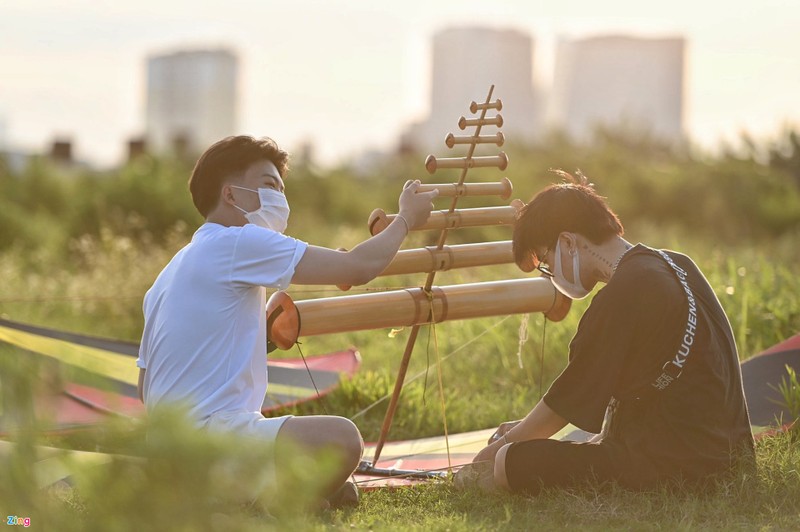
x,y
230,158
572,206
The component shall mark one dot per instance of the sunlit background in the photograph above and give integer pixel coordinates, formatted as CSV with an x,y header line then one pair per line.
x,y
341,81
683,113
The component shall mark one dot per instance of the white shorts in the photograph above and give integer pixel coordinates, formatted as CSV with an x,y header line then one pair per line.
x,y
249,424
254,426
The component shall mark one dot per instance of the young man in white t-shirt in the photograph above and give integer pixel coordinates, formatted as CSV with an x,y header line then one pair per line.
x,y
204,340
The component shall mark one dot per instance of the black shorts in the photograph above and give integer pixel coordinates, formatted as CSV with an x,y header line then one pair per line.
x,y
536,464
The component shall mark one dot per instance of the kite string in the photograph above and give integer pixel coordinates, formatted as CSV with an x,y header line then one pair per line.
x,y
424,372
441,382
310,376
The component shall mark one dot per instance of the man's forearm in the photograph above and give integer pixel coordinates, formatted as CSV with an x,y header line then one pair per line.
x,y
376,253
542,422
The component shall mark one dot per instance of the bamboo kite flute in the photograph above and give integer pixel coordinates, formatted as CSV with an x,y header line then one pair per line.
x,y
433,163
429,259
409,307
479,217
502,188
432,259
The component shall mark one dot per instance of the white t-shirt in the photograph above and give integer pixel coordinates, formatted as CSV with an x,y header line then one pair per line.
x,y
204,339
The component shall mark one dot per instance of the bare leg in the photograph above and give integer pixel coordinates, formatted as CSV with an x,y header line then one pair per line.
x,y
315,433
500,479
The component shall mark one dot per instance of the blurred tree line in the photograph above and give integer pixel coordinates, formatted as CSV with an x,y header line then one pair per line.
x,y
748,194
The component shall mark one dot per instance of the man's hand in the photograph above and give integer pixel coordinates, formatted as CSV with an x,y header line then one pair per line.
x,y
415,207
489,452
496,442
502,430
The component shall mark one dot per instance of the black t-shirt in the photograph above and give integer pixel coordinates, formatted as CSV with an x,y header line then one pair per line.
x,y
652,316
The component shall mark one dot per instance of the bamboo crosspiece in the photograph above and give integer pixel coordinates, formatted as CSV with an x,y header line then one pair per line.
x,y
428,305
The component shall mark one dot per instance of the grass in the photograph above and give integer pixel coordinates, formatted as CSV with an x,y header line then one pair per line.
x,y
766,501
184,485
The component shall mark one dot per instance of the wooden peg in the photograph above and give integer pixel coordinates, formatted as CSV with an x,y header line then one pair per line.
x,y
451,140
503,188
497,161
479,217
474,107
464,123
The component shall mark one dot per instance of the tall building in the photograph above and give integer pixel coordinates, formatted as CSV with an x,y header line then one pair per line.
x,y
466,61
191,99
619,81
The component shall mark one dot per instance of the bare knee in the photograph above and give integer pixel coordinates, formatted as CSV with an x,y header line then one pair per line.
x,y
349,440
500,477
321,432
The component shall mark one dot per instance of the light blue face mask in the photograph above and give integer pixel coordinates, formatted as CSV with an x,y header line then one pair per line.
x,y
572,289
274,210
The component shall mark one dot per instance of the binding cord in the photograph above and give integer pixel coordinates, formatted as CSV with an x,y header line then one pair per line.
x,y
523,337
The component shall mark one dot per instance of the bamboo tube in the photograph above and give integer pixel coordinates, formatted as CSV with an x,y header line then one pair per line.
x,y
489,161
502,188
482,216
404,308
451,140
430,259
464,122
474,107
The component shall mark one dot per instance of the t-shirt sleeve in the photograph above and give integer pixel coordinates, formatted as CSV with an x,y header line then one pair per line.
x,y
601,347
265,258
141,360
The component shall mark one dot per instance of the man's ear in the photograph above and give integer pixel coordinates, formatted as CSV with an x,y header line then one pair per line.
x,y
569,242
226,194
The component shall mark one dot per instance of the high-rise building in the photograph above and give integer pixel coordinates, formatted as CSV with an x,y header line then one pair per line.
x,y
466,62
191,99
619,81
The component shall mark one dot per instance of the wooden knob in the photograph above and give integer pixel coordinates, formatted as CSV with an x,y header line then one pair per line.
x,y
430,164
503,161
377,222
508,188
283,321
560,308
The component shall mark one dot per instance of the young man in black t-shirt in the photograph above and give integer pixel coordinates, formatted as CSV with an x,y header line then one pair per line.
x,y
653,367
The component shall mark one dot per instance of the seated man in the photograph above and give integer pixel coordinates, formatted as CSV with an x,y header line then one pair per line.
x,y
204,339
653,362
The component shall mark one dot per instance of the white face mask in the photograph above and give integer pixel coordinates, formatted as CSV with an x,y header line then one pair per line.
x,y
574,289
273,213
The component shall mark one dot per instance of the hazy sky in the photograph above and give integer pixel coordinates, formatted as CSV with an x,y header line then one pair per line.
x,y
348,76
